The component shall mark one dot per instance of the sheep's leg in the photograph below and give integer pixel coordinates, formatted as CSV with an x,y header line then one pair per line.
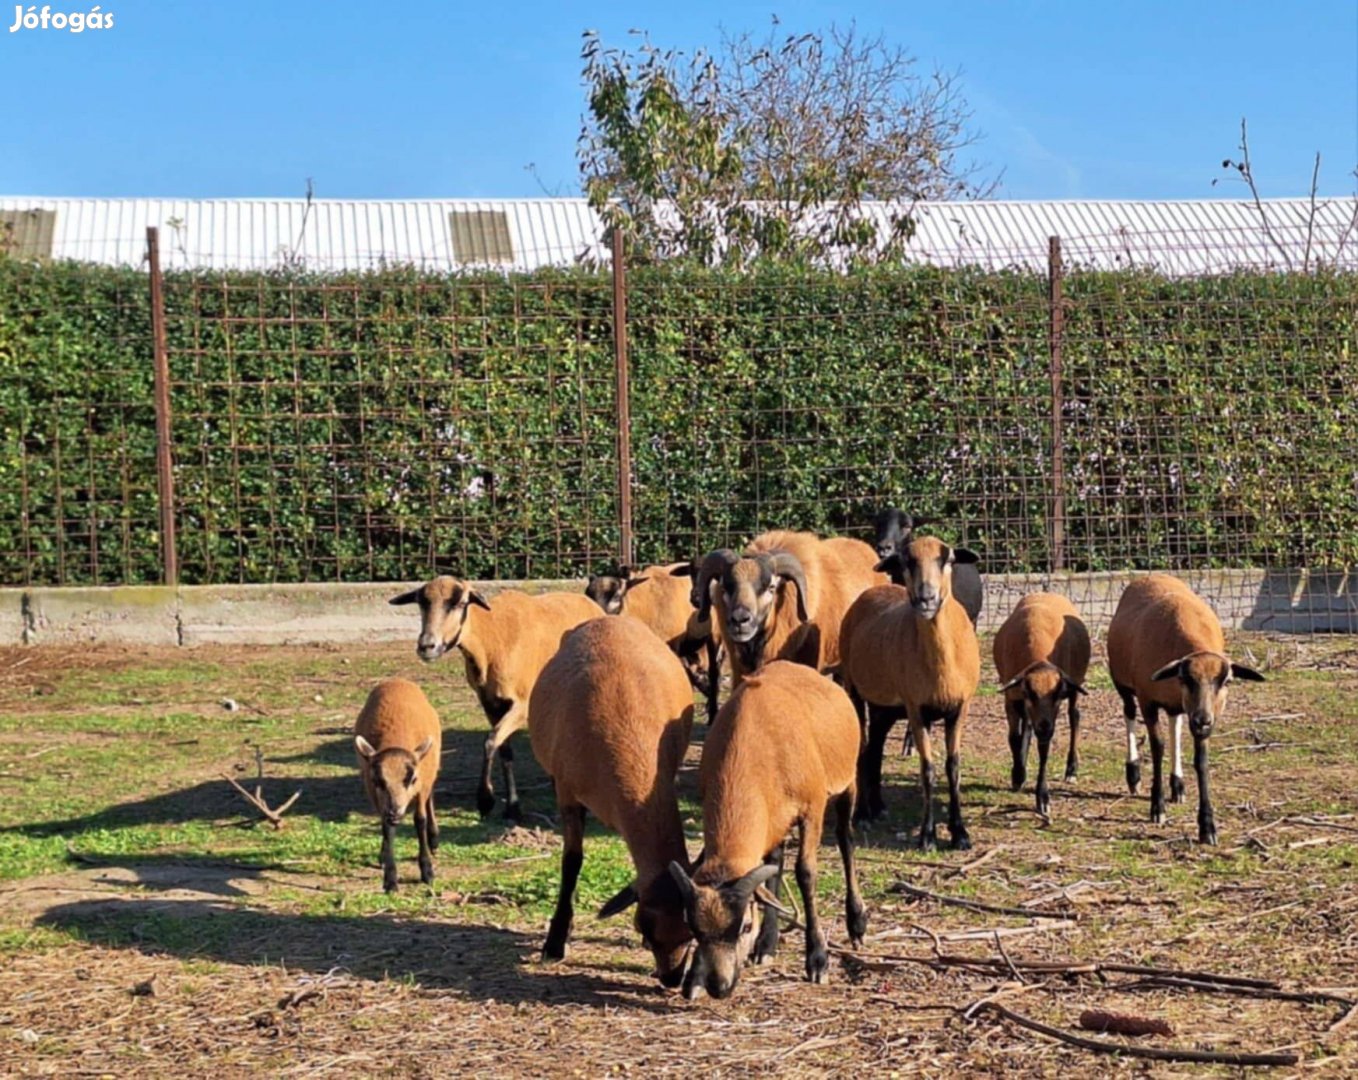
x,y
766,944
928,831
431,823
961,840
871,806
1207,822
1073,753
422,834
1157,738
817,955
1176,775
1018,751
514,719
1045,730
856,916
1129,715
572,857
388,858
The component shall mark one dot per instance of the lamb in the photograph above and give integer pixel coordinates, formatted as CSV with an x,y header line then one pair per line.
x,y
398,739
612,713
504,649
1042,656
656,596
893,530
785,744
784,598
1166,652
913,647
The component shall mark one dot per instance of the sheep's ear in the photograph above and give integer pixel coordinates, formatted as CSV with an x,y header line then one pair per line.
x,y
769,900
965,555
1240,671
890,563
424,748
632,581
364,747
1169,671
412,597
1073,688
687,570
477,599
1012,682
621,901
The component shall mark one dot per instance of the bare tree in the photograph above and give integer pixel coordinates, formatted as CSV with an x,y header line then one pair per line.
x,y
770,146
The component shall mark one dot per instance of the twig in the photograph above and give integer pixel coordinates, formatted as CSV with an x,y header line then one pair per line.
x,y
1345,1020
274,817
1309,997
966,868
1320,823
1154,1053
976,905
1247,917
1008,962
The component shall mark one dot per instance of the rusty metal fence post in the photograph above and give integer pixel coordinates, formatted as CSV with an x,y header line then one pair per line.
x,y
164,459
1057,518
622,398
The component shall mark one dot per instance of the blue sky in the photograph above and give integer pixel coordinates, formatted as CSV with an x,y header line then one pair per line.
x,y
1113,100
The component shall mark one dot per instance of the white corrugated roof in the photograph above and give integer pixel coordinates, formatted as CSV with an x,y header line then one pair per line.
x,y
1176,237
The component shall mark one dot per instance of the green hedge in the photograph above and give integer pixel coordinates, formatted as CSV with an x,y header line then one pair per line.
x,y
376,426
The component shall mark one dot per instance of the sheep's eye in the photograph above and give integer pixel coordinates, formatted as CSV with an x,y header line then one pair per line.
x,y
410,777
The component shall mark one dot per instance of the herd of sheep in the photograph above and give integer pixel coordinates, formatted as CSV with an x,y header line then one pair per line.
x,y
828,643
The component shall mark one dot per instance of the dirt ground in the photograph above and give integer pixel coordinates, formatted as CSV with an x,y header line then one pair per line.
x,y
150,925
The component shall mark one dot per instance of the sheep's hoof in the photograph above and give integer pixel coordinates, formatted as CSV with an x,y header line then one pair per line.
x,y
858,926
960,840
1158,816
1207,832
1176,788
389,885
513,812
1017,776
1044,806
928,840
485,802
553,951
1133,776
1072,775
818,967
427,874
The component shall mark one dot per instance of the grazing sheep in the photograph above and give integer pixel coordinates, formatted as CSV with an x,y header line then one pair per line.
x,y
893,530
1166,652
913,647
504,648
785,744
398,739
612,713
657,596
1042,656
760,620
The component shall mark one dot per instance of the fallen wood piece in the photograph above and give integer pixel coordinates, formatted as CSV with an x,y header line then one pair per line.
x,y
1124,1023
274,817
1344,1021
1310,997
1154,1053
1321,823
976,905
966,868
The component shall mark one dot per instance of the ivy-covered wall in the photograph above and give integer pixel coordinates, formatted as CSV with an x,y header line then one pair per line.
x,y
378,426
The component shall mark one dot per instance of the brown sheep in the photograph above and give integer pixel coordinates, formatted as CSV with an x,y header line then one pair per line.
x,y
913,648
785,744
1167,653
784,598
657,596
1042,656
398,739
504,647
612,713
892,532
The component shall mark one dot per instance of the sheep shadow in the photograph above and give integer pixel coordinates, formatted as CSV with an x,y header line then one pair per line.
x,y
483,963
331,799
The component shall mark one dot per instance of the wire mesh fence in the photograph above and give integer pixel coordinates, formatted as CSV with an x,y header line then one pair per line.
x,y
1097,414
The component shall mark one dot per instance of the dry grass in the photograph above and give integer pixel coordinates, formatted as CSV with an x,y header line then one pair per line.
x,y
207,947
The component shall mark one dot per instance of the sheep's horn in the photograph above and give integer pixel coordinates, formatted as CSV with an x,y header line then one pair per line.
x,y
787,565
713,564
